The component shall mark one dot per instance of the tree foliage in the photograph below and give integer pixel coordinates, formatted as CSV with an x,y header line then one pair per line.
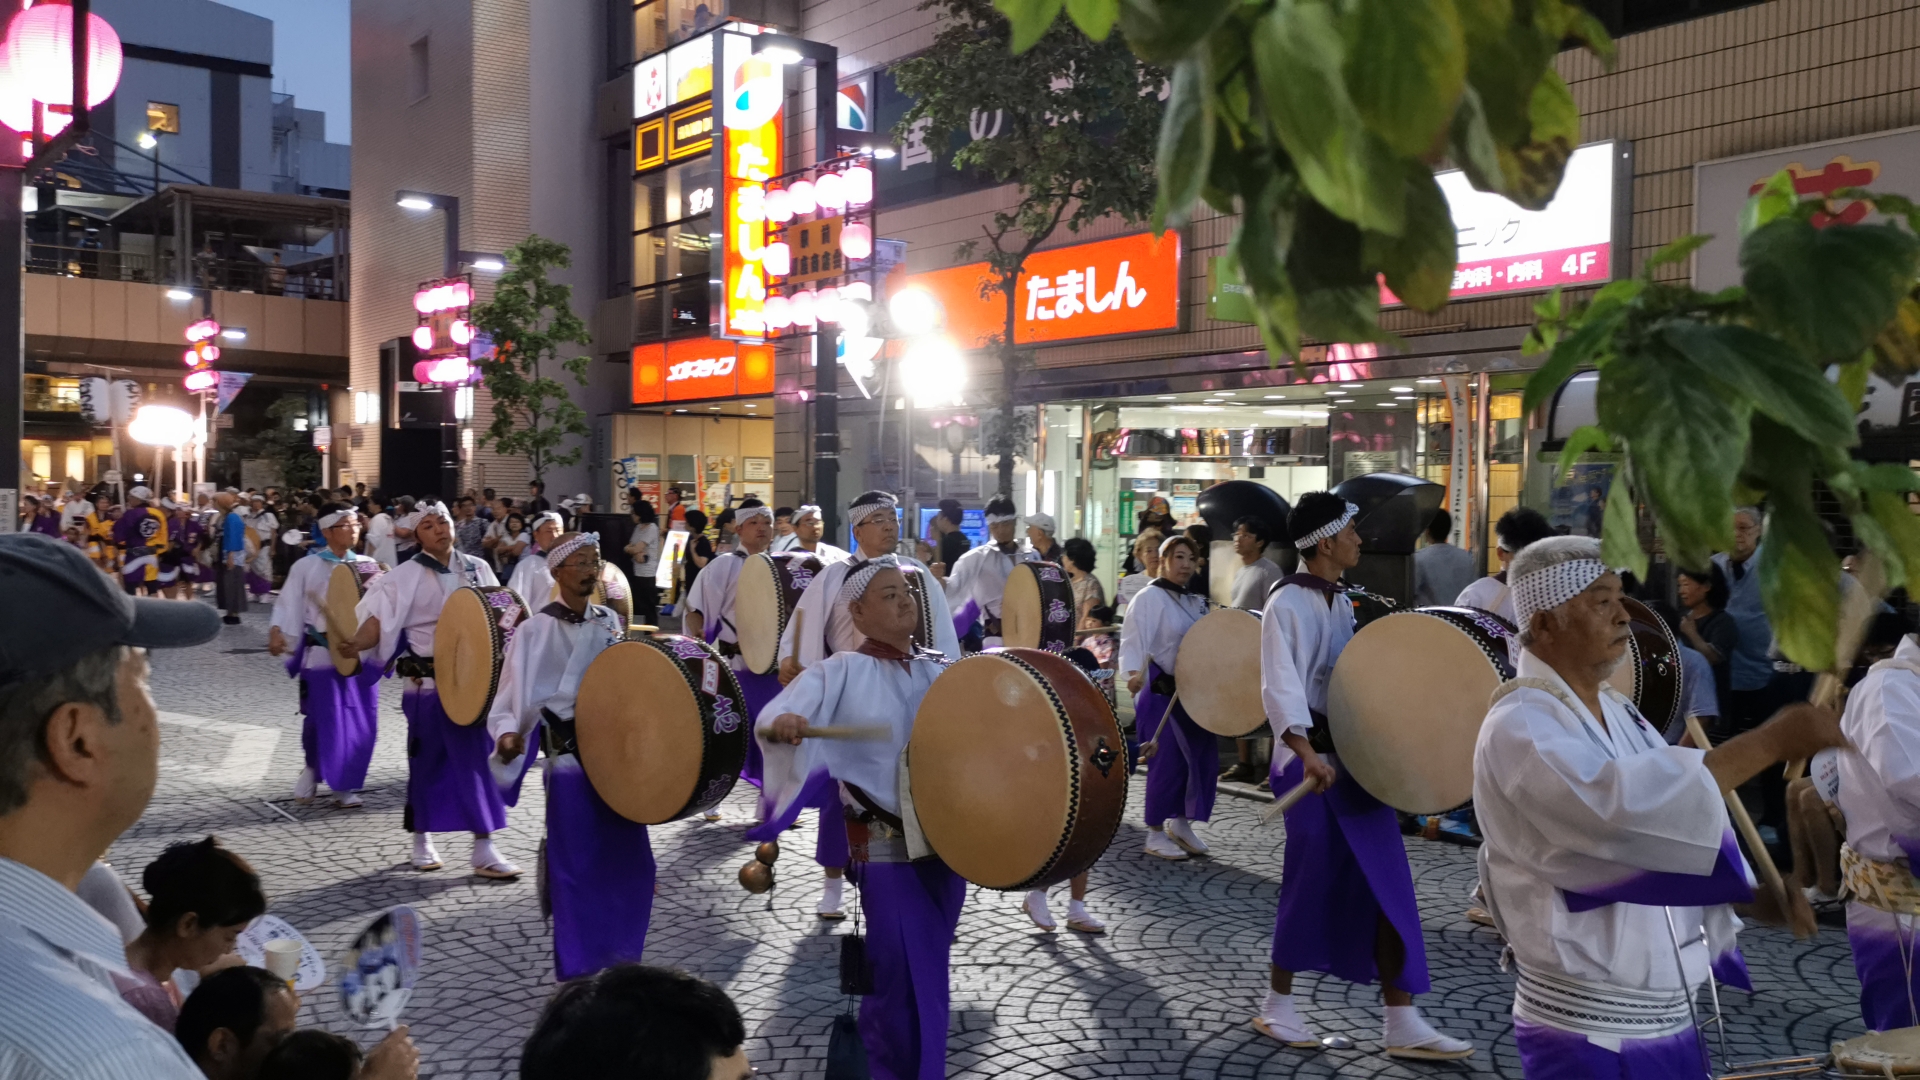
x,y
1071,121
290,453
531,322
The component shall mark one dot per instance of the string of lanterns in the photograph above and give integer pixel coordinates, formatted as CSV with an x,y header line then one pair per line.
x,y
36,64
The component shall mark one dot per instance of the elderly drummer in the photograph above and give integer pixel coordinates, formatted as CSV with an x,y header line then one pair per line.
x,y
449,786
531,580
599,865
709,613
977,583
340,713
1347,905
1182,757
1606,849
808,528
912,907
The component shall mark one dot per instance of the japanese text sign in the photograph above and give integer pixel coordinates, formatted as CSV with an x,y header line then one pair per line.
x,y
693,368
1106,288
748,95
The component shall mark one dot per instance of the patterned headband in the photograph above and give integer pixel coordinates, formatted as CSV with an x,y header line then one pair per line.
x,y
858,514
1331,528
995,519
544,517
805,511
861,576
568,546
328,521
438,510
742,516
1549,587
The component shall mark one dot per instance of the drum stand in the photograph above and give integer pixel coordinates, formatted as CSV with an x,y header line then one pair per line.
x,y
1770,1069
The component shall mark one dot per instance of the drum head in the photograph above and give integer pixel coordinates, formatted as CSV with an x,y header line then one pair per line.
x,y
614,592
469,648
1021,609
343,595
1405,706
1883,1053
642,751
1218,672
759,614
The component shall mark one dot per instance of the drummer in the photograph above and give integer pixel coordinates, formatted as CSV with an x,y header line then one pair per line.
x,y
978,580
1601,838
912,907
340,713
1516,528
599,865
709,613
1181,755
449,787
530,580
806,536
1347,905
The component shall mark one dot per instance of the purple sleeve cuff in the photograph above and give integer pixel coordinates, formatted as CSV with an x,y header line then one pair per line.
x,y
1726,883
964,619
1730,968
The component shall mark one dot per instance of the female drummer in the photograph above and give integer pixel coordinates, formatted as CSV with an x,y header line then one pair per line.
x,y
1347,906
1182,757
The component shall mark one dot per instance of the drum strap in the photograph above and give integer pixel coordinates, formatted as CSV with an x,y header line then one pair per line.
x,y
1883,884
872,811
317,638
557,737
412,666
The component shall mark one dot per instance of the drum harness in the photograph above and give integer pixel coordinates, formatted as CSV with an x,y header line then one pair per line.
x,y
412,665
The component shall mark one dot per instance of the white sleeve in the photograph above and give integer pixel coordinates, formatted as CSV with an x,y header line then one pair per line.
x,y
1283,689
815,694
1143,621
960,579
487,576
511,710
1892,746
387,599
290,608
697,599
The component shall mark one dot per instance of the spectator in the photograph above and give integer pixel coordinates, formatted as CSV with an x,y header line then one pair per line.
x,y
1256,575
312,1054
487,501
380,541
723,521
1201,583
1705,625
79,753
233,1019
404,545
469,530
1696,675
1146,555
675,511
512,543
952,543
699,551
199,897
633,1020
1441,571
643,547
537,498
1040,541
233,557
1079,558
782,527
1100,645
1749,669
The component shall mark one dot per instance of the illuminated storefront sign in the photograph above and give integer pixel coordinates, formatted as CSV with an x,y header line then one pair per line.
x,y
693,368
1107,288
690,131
443,336
748,98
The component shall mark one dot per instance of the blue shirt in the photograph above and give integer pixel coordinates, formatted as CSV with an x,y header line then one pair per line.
x,y
1750,667
60,1016
1698,676
233,533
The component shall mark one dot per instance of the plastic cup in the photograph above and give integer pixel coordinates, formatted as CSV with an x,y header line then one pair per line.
x,y
283,958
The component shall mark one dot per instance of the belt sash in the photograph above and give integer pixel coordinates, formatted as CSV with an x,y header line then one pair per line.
x,y
1885,885
1596,1008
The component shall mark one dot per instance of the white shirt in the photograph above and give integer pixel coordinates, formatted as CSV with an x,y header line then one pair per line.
x,y
60,1016
645,568
1880,785
531,580
822,550
827,627
1301,638
1488,594
1569,806
1157,621
1128,588
847,689
980,576
544,664
303,602
712,595
1252,582
408,598
380,543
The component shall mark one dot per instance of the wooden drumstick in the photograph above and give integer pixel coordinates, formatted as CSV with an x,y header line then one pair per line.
x,y
1763,860
1857,609
851,733
1152,746
1285,802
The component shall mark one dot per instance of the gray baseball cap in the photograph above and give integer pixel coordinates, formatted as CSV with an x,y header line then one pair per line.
x,y
79,610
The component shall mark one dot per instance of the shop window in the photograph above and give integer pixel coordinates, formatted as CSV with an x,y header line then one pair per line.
x,y
672,216
44,393
660,23
417,70
163,117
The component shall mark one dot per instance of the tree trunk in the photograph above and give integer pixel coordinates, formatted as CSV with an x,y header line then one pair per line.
x,y
1009,379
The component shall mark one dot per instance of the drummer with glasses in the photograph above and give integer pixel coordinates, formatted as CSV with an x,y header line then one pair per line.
x,y
531,579
1347,905
599,865
912,905
709,615
340,714
1182,757
449,785
978,580
1607,849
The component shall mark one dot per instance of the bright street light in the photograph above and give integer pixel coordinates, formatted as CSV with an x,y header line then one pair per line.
x,y
160,425
915,312
234,333
413,202
934,373
147,141
179,294
492,264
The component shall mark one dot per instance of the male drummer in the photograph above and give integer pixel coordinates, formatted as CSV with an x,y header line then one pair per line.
x,y
806,536
1603,844
599,865
978,580
710,614
822,626
531,581
1346,906
1516,529
340,713
1182,757
449,787
912,908
141,534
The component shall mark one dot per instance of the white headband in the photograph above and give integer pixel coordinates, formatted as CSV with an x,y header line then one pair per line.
x,y
857,515
544,517
438,510
996,519
1548,588
335,518
567,547
862,575
741,517
1331,528
808,510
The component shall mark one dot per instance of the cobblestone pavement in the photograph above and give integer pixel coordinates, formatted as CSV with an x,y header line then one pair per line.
x,y
1166,993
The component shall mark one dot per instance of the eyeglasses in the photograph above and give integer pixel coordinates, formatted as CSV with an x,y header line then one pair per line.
x,y
592,566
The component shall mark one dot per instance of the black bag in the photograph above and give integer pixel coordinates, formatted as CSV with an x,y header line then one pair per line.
x,y
846,1054
856,975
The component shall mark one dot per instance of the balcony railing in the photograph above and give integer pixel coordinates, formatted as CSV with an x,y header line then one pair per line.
x,y
310,281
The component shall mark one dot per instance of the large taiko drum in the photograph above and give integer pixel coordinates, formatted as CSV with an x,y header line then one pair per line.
x,y
346,583
1036,610
1218,672
470,648
1651,672
662,727
1017,769
764,597
918,582
1877,1053
1407,698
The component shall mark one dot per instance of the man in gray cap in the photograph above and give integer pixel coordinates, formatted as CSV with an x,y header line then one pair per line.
x,y
79,754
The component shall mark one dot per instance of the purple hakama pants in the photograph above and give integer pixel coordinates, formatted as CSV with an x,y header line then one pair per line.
x,y
340,718
1344,866
1886,994
1548,1053
912,911
449,787
758,690
1182,773
599,876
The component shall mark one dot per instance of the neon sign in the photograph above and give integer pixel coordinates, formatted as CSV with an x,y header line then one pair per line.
x,y
748,97
201,355
443,333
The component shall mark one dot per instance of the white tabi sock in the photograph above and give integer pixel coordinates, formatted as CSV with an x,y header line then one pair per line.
x,y
830,896
1406,1027
423,849
1278,1012
1077,909
483,852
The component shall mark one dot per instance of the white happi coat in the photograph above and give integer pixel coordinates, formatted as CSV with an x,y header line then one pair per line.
x,y
408,598
303,602
1880,785
1488,594
981,576
847,689
545,662
1301,638
1157,621
1569,806
713,594
532,580
828,629
825,552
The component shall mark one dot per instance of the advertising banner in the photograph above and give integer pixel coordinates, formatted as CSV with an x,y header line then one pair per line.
x,y
1107,288
694,368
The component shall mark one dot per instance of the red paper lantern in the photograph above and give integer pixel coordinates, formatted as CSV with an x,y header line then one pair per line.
x,y
39,52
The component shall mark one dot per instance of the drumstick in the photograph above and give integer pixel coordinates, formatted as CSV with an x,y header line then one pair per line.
x,y
1285,802
852,733
1761,857
1148,748
1857,609
1091,630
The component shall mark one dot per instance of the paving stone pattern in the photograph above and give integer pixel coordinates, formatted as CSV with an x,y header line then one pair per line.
x,y
1166,993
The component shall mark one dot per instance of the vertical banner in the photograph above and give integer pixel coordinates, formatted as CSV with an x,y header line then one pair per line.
x,y
1460,470
748,91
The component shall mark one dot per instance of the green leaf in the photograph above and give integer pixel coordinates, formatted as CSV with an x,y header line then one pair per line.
x,y
1506,56
1030,18
1406,68
1620,530
1886,476
1349,313
1297,55
1896,351
1675,252
1852,382
1186,142
1775,199
1094,17
1585,439
1800,585
1619,292
1419,263
1686,442
1533,169
1470,142
1830,291
1779,381
1585,346
1164,31
1900,528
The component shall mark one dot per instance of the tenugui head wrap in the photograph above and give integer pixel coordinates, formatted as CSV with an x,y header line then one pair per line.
x,y
328,521
858,513
1550,586
861,576
438,510
1331,528
995,519
805,511
742,515
543,518
572,544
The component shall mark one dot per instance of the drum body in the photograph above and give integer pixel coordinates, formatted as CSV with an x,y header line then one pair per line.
x,y
764,597
1218,672
662,727
917,584
1407,698
614,592
470,648
1651,672
346,583
1036,611
1017,769
1881,1053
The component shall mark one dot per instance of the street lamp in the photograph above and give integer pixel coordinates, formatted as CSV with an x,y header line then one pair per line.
x,y
450,206
162,426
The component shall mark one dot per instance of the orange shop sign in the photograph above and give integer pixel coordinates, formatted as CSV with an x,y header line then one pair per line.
x,y
693,368
1106,288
